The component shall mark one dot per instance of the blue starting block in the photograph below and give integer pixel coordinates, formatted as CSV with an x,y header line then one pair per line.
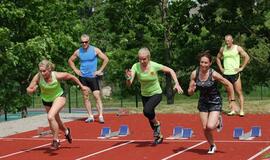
x,y
181,133
238,132
178,131
105,132
123,130
256,131
187,133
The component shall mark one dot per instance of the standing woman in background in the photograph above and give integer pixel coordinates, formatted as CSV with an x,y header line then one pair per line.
x,y
53,97
146,72
205,80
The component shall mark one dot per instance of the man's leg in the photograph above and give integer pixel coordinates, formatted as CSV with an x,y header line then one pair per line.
x,y
238,89
88,107
99,104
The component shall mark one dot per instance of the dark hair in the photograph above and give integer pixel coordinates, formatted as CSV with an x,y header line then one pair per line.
x,y
204,54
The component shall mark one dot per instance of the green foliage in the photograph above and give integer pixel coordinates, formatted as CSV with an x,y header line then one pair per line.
x,y
175,33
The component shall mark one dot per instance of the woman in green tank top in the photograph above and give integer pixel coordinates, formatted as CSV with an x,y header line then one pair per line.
x,y
53,97
146,72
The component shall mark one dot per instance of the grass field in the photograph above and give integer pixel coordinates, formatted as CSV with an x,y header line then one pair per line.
x,y
182,104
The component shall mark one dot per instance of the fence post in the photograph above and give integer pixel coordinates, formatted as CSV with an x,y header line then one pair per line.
x,y
76,91
69,99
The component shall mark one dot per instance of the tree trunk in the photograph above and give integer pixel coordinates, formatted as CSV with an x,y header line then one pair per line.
x,y
167,46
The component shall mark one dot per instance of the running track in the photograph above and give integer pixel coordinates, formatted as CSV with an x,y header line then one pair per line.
x,y
138,145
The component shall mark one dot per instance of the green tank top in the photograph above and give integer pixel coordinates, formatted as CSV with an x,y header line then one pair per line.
x,y
148,80
50,91
231,60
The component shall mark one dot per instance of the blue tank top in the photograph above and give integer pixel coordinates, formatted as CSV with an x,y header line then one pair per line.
x,y
88,61
209,93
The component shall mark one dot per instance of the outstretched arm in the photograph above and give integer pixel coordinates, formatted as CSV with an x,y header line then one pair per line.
x,y
129,74
229,88
68,76
177,86
33,84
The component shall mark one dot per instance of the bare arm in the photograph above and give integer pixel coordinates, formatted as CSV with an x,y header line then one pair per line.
x,y
129,76
72,64
229,88
245,56
173,75
218,59
105,61
33,84
192,84
68,76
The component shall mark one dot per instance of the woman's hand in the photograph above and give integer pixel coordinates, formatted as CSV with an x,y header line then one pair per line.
x,y
178,88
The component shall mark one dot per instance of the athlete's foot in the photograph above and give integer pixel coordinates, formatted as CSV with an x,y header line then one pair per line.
x,y
232,113
158,139
55,144
242,114
89,119
101,119
68,136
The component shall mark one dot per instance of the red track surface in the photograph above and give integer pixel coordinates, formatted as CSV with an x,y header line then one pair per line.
x,y
138,145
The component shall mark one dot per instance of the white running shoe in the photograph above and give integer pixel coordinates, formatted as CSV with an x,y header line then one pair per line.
x,y
212,149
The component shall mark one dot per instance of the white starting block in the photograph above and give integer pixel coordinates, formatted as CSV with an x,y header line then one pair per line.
x,y
106,132
181,133
254,132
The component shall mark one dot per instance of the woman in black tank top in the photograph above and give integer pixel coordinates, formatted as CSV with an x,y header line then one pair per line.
x,y
205,80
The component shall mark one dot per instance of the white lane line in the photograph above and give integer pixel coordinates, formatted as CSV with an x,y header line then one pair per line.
x,y
90,155
30,149
27,150
259,153
189,148
137,140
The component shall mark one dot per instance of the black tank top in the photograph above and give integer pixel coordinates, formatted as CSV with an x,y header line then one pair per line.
x,y
208,89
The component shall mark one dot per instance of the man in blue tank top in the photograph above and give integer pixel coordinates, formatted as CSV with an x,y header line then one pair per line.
x,y
89,72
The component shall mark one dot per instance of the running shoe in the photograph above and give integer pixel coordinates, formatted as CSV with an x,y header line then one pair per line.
x,y
158,139
68,136
55,144
89,120
232,113
220,123
101,119
212,149
241,114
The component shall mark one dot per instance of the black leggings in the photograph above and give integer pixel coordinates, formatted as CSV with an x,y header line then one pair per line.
x,y
149,105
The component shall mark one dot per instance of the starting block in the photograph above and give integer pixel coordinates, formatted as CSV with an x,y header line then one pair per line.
x,y
254,132
107,133
41,132
237,132
181,133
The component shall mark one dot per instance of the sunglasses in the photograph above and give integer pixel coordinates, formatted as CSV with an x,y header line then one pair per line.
x,y
84,42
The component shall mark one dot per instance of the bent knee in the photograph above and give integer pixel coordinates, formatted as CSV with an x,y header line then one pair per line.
x,y
50,117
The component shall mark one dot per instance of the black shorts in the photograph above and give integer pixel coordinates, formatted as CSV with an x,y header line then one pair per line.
x,y
92,83
209,108
49,104
232,78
